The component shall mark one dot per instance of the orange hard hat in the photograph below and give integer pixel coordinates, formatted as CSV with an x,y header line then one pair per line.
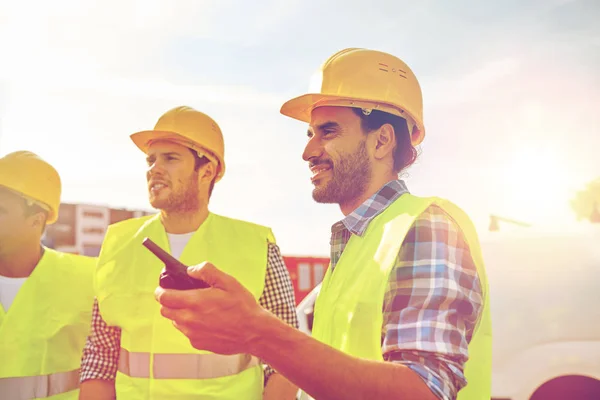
x,y
366,79
28,175
190,128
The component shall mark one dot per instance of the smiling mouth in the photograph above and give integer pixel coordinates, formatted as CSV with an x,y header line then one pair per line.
x,y
319,170
157,187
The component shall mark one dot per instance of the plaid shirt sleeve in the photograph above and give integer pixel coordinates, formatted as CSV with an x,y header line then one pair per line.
x,y
101,353
432,303
278,296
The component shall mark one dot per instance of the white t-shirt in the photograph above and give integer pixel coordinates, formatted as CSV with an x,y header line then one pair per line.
x,y
9,287
177,242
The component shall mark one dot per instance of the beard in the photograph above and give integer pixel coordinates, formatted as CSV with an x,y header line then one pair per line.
x,y
349,180
184,199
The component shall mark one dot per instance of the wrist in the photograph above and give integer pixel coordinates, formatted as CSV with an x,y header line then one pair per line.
x,y
262,328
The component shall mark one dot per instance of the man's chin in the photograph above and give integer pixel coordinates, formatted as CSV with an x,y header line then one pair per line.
x,y
157,204
322,195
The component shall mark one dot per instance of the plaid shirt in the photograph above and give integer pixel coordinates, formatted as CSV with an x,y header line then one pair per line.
x,y
101,353
433,297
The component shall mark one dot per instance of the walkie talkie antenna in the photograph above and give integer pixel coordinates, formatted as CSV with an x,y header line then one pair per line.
x,y
174,275
162,255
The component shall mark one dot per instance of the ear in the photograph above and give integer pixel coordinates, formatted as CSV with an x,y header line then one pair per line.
x,y
385,141
37,221
208,172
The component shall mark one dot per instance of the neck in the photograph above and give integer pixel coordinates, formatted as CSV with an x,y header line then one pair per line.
x,y
374,186
22,262
183,222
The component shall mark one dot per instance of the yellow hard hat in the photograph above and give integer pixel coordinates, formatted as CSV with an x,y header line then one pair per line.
x,y
190,128
27,174
367,79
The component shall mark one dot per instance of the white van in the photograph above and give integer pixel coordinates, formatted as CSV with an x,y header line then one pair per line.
x,y
545,305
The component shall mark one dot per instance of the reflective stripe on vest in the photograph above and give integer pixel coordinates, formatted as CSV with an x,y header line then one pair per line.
x,y
184,366
39,387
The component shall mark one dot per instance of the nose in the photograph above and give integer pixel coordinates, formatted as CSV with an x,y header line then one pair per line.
x,y
313,149
154,169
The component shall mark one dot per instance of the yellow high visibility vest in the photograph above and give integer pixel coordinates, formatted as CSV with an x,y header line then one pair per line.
x,y
157,361
349,308
43,334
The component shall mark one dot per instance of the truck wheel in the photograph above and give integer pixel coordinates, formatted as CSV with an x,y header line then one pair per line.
x,y
569,387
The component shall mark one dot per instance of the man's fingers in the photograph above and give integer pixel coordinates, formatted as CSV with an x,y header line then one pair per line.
x,y
174,299
181,322
178,317
212,275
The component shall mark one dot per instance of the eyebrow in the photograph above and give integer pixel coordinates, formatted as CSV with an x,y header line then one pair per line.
x,y
324,126
170,153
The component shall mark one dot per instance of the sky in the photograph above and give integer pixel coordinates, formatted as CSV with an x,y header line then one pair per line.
x,y
511,97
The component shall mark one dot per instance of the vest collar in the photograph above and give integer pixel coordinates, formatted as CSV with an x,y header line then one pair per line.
x,y
358,220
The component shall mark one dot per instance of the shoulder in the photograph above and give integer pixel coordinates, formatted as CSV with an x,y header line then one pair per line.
x,y
78,268
130,224
435,239
246,226
434,224
239,222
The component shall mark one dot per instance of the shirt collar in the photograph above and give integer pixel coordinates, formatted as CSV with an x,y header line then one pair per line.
x,y
358,220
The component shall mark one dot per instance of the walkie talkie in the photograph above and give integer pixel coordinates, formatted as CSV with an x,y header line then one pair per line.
x,y
174,275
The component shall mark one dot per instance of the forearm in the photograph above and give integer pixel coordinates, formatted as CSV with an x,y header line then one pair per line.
x,y
279,388
326,373
97,389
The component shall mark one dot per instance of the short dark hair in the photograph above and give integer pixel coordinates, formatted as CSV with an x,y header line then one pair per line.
x,y
200,161
405,154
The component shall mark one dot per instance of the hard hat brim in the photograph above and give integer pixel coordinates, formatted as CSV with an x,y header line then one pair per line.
x,y
52,218
142,139
301,107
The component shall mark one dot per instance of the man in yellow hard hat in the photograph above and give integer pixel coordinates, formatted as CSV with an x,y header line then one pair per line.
x,y
403,310
46,296
133,351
